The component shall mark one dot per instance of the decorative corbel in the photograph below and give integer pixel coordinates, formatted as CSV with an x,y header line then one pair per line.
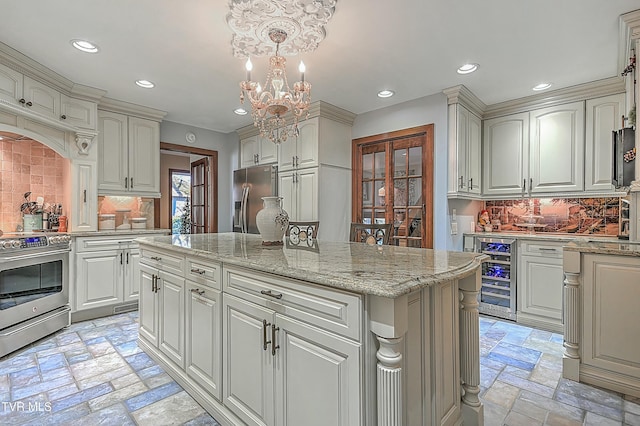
x,y
84,141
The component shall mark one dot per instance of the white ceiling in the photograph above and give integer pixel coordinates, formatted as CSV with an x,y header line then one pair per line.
x,y
412,47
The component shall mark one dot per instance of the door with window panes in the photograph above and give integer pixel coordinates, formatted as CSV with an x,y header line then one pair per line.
x,y
393,183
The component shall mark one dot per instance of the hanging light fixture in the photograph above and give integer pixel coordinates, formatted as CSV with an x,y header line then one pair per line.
x,y
270,104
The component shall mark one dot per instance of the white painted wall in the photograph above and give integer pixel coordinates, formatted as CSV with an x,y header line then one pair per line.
x,y
418,112
228,152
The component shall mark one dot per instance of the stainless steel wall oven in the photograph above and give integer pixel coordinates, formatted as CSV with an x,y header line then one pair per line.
x,y
34,288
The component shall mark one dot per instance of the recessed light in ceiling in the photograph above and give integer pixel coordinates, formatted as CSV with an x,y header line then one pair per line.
x,y
467,68
85,46
385,93
240,111
541,86
145,84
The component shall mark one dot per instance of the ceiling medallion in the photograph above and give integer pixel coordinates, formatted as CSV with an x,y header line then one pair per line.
x,y
302,20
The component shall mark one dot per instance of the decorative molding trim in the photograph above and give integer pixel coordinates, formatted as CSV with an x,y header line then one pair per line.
x,y
580,92
114,105
629,29
84,142
316,109
21,111
389,381
27,66
303,21
460,94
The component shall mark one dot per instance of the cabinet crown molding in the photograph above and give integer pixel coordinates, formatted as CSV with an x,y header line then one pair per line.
x,y
579,92
114,105
629,30
316,109
461,95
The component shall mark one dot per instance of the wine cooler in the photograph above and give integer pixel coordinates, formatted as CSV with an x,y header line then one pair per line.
x,y
498,292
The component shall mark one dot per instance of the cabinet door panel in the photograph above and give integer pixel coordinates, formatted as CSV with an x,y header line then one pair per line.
x,y
557,148
204,328
99,278
78,112
171,327
132,275
248,151
268,152
84,196
474,155
248,367
148,308
10,84
318,377
307,144
463,135
44,99
306,188
286,190
286,155
113,162
603,117
541,286
506,161
144,155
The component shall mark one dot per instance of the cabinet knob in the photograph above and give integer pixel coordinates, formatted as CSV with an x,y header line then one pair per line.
x,y
63,117
265,342
29,103
273,339
22,101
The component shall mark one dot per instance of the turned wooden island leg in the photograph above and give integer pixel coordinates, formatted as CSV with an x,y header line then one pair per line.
x,y
472,408
390,384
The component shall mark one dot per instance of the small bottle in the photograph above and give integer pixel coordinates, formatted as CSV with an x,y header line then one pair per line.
x,y
45,221
62,224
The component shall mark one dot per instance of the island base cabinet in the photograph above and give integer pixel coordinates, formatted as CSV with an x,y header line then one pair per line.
x,y
203,363
280,371
171,317
148,308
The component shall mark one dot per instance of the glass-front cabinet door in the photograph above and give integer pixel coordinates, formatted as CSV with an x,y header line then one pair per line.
x,y
393,183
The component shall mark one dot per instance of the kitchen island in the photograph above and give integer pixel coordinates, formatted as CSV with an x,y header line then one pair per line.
x,y
601,316
314,333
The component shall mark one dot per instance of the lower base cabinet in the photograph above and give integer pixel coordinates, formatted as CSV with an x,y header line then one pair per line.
x,y
540,285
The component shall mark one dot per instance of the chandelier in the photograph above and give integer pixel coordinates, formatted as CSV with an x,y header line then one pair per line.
x,y
270,104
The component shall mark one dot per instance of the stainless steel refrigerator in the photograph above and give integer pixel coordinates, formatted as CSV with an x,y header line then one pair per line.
x,y
249,186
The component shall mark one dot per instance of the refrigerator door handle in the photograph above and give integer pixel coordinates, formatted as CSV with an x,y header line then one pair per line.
x,y
245,199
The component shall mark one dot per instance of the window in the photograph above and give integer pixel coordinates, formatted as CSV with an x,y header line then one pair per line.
x,y
180,182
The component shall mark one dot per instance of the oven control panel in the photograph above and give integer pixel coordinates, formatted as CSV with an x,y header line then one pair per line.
x,y
34,242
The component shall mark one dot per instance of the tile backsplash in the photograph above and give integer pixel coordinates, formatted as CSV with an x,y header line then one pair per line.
x,y
27,165
139,206
571,215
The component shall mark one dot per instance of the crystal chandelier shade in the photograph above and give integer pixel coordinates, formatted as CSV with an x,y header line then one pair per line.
x,y
271,103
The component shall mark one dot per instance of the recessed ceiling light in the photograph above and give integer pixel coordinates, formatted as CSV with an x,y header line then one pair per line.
x,y
240,111
385,93
467,68
542,86
85,46
145,84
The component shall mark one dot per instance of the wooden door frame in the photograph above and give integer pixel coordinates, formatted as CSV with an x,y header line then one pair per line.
x,y
213,180
427,159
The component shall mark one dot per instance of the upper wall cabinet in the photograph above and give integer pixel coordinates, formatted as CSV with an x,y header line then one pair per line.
x,y
257,150
603,117
21,90
540,152
506,155
465,152
301,151
128,155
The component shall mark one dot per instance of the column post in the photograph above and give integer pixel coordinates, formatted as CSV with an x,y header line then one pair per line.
x,y
571,313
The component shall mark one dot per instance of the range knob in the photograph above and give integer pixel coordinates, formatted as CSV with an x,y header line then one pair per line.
x,y
54,240
6,244
66,238
16,243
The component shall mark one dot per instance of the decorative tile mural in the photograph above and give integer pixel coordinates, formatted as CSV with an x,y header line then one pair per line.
x,y
29,166
566,215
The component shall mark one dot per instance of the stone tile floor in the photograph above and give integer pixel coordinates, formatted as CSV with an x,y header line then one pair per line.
x,y
94,373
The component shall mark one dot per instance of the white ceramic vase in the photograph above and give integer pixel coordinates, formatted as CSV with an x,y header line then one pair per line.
x,y
272,221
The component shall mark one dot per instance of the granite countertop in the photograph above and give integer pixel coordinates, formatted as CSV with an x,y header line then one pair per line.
x,y
127,232
544,236
386,271
621,248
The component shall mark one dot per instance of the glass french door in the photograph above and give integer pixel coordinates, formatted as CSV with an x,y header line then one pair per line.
x,y
199,196
393,183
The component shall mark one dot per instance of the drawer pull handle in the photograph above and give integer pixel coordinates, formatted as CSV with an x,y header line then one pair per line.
x,y
197,291
547,249
156,258
274,295
273,339
198,271
265,342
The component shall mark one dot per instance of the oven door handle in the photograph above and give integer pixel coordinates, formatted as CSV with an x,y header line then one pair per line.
x,y
34,255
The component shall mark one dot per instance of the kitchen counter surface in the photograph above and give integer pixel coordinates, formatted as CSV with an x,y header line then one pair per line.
x,y
545,236
622,248
113,233
386,271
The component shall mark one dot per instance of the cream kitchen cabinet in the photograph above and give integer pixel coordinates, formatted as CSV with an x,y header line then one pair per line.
x,y
257,150
540,284
603,117
84,180
20,89
162,304
299,192
301,151
106,274
78,112
128,155
271,357
532,153
465,152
